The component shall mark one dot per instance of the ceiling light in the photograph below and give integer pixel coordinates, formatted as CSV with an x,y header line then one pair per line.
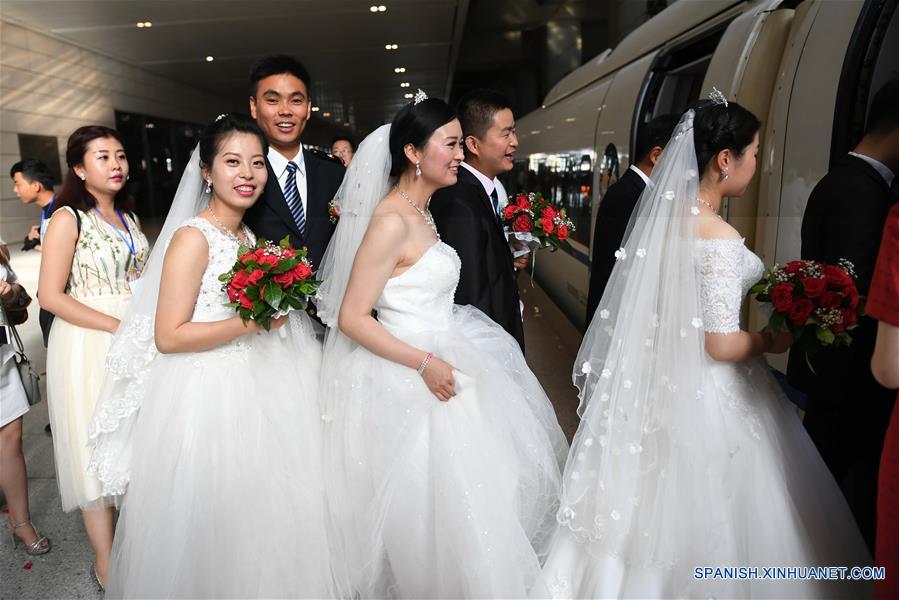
x,y
400,70
390,47
346,124
142,24
405,84
326,114
373,8
382,8
315,109
210,58
409,96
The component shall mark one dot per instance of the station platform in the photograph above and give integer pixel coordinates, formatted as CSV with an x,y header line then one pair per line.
x,y
550,338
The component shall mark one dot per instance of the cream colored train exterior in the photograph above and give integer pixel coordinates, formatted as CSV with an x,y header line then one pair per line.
x,y
782,60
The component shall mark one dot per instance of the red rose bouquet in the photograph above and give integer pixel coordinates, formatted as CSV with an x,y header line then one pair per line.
x,y
532,218
268,281
816,302
333,212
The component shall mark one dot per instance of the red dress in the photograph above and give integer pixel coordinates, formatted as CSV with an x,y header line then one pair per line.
x,y
883,305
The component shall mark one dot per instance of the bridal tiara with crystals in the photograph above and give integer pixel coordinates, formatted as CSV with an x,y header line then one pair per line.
x,y
717,97
420,96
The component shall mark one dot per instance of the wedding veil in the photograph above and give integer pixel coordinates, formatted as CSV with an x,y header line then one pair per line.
x,y
133,347
640,370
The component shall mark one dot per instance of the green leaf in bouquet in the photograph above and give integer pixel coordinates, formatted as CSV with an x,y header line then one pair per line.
x,y
252,292
273,295
777,322
824,335
285,241
226,276
243,249
258,308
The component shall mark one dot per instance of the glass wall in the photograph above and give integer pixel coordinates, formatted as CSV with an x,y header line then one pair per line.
x,y
566,178
157,150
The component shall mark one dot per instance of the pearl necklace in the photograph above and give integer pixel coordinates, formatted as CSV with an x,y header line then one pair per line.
x,y
425,214
228,233
710,206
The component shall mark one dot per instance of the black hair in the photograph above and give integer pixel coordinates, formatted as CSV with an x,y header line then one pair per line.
x,y
883,114
277,65
34,171
223,126
655,133
717,127
344,138
476,111
414,124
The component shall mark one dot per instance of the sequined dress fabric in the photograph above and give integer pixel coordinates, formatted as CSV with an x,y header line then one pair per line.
x,y
730,479
434,499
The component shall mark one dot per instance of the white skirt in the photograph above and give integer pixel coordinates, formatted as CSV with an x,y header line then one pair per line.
x,y
226,498
13,402
434,499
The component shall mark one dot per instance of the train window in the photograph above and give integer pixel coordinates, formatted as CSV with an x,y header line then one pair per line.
x,y
566,178
871,60
675,80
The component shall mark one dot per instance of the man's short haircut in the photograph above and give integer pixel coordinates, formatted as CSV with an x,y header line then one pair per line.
x,y
883,115
477,109
277,65
344,138
655,133
34,171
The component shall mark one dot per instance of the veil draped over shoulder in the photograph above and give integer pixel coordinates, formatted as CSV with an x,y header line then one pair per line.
x,y
133,348
639,369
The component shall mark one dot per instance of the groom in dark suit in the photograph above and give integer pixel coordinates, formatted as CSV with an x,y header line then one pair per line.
x,y
619,202
848,411
467,214
300,182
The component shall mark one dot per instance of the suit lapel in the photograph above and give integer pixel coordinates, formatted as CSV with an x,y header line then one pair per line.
x,y
275,199
465,177
317,200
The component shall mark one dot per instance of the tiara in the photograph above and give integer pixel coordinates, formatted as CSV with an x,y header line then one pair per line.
x,y
717,97
420,96
220,117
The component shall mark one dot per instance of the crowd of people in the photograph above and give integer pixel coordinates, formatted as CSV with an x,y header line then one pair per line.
x,y
391,440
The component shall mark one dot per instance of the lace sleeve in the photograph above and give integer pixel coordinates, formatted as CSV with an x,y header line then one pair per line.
x,y
720,284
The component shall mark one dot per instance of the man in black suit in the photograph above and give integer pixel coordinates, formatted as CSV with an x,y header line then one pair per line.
x,y
467,214
618,203
300,182
848,411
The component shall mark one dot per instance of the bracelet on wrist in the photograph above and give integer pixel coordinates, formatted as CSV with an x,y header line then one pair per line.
x,y
424,363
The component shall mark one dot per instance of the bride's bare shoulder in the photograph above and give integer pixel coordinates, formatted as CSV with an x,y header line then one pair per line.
x,y
712,227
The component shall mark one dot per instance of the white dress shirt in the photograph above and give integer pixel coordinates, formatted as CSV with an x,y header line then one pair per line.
x,y
642,175
490,185
881,168
279,166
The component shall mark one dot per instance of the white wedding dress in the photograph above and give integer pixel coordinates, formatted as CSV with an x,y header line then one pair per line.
x,y
733,480
226,494
434,499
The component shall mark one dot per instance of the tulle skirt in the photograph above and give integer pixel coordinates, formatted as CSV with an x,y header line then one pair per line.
x,y
226,494
75,370
434,499
759,496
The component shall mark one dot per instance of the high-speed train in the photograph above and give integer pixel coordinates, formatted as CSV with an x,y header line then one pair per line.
x,y
807,69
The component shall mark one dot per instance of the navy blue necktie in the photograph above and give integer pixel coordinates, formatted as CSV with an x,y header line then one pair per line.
x,y
292,195
494,197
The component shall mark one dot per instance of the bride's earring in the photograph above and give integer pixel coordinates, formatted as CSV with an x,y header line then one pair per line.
x,y
418,169
208,189
724,173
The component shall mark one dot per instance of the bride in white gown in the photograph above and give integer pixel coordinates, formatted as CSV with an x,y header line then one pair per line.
x,y
688,454
442,483
215,428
